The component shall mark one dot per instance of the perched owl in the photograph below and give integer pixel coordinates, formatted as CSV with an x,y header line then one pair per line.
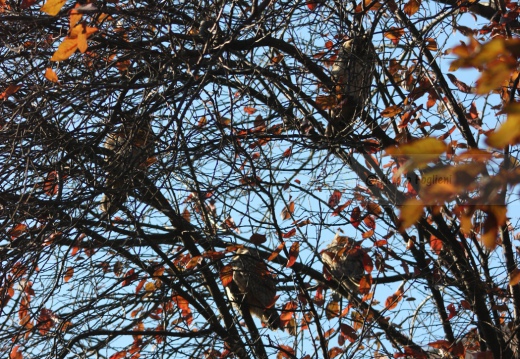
x,y
344,260
132,146
353,72
253,287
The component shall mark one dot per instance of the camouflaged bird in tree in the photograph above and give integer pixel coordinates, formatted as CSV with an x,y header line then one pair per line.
x,y
253,287
344,260
353,73
132,147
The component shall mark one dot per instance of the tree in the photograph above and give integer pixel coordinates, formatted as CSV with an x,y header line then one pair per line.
x,y
144,145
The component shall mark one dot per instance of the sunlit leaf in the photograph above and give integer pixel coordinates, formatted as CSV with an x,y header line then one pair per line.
x,y
51,75
275,253
287,211
69,272
394,34
15,353
391,111
411,7
435,244
332,310
226,275
509,132
65,50
11,89
411,212
52,7
249,110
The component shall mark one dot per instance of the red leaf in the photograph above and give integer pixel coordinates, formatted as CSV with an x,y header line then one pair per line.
x,y
348,332
354,217
435,244
340,209
119,355
370,222
17,230
68,274
287,211
130,276
287,312
452,311
293,254
334,198
312,5
287,152
289,234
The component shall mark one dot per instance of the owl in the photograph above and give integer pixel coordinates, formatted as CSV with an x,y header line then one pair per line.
x,y
132,147
344,260
352,72
253,287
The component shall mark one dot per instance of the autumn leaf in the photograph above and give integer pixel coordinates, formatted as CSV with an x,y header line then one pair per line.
x,y
287,152
312,4
287,211
226,275
275,253
514,277
293,254
68,274
285,352
15,353
348,332
11,89
509,131
287,312
326,102
412,7
391,111
65,50
52,7
334,198
17,230
75,17
419,152
355,217
332,310
411,212
460,85
394,34
186,215
435,244
51,75
249,110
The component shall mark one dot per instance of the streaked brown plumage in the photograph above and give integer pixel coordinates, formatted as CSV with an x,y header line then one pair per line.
x,y
253,287
132,145
344,260
353,72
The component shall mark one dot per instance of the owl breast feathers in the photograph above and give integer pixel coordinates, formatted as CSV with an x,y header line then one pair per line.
x,y
344,260
253,287
131,146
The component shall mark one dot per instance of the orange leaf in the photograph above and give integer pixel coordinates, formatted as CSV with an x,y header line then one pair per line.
x,y
287,211
68,274
412,7
334,352
278,58
276,251
285,352
226,275
293,254
332,310
11,89
394,34
15,354
74,17
514,277
17,230
287,152
289,234
509,131
249,110
119,355
368,234
51,75
65,50
53,7
391,111
326,102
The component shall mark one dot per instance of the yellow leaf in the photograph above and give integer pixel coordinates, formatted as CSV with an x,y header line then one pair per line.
x,y
53,7
332,310
411,212
82,42
74,17
65,50
420,152
509,132
51,75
